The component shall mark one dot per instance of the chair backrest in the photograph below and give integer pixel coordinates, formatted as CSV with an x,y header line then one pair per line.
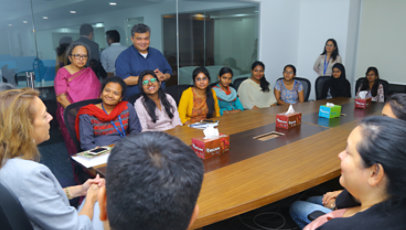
x,y
176,91
12,214
396,88
358,84
307,86
320,83
69,116
237,82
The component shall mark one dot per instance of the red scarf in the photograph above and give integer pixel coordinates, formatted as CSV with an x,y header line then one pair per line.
x,y
93,110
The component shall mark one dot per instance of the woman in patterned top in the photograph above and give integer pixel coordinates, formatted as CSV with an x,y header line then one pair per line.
x,y
109,121
288,90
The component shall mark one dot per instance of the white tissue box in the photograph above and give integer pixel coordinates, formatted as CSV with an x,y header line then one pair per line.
x,y
207,148
287,121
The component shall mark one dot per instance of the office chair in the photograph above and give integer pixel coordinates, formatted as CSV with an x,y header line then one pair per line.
x,y
320,83
12,214
69,116
307,86
176,91
237,82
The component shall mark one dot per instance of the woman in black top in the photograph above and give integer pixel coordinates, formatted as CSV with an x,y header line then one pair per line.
x,y
337,85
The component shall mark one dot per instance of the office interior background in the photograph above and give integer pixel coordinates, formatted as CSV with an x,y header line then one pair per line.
x,y
214,33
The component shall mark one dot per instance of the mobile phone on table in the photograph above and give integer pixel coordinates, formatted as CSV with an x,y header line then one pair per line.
x,y
96,151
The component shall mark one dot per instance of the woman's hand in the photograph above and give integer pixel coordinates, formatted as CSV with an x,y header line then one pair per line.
x,y
99,182
329,199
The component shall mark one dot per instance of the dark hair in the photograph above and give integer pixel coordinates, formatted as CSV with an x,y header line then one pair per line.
x,y
150,104
263,83
153,181
140,28
209,94
365,83
64,43
73,45
290,66
341,68
85,29
382,143
397,103
113,35
225,70
335,51
115,80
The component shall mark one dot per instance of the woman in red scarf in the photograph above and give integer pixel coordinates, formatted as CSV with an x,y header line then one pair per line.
x,y
106,123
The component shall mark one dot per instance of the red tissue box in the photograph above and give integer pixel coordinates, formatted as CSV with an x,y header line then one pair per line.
x,y
362,103
207,148
288,121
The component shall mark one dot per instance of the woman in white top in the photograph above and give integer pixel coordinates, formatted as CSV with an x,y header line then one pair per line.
x,y
330,56
255,92
156,110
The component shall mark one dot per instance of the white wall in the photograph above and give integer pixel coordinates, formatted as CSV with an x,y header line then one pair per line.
x,y
382,39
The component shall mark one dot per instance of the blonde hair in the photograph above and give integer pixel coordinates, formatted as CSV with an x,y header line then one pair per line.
x,y
16,125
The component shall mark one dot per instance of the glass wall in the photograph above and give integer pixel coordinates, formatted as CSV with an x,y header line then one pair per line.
x,y
189,33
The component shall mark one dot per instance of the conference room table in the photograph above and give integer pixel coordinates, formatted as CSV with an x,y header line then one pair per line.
x,y
255,173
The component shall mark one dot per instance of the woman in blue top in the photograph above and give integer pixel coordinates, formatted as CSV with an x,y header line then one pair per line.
x,y
226,95
288,90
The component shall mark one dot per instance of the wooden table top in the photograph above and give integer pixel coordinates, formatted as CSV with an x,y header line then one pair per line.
x,y
241,185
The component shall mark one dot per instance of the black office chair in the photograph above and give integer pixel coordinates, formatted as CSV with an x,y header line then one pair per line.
x,y
237,82
396,88
12,214
320,83
307,86
69,116
176,91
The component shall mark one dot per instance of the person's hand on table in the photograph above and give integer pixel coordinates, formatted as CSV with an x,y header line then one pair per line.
x,y
329,199
99,182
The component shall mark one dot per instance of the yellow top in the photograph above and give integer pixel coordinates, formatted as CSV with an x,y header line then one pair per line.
x,y
186,105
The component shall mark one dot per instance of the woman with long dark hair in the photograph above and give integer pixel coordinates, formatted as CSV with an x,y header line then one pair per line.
x,y
337,85
199,101
373,85
255,91
156,110
326,60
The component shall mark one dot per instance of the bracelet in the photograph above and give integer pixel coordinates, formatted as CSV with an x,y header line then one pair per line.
x,y
67,193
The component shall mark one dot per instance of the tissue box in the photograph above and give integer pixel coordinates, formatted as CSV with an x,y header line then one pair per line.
x,y
287,121
362,103
207,148
330,112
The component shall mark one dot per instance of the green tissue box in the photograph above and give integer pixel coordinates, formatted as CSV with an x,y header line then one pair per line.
x,y
330,112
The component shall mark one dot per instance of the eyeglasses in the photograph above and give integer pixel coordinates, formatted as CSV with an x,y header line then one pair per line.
x,y
330,45
152,80
288,72
202,78
79,56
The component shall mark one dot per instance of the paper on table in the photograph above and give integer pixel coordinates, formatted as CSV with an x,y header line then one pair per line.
x,y
91,162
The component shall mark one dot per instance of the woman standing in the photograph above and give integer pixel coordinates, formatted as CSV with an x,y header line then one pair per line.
x,y
156,110
337,85
73,83
109,121
198,102
373,85
254,92
288,90
227,96
326,60
24,124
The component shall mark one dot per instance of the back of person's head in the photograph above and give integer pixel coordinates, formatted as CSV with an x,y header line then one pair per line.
x,y
341,68
64,43
382,143
153,181
264,84
225,70
397,103
85,29
6,86
16,117
140,29
117,80
113,35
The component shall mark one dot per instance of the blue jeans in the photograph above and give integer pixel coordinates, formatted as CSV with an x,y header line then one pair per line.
x,y
299,210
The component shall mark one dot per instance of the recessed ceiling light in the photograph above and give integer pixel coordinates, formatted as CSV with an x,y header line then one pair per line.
x,y
25,21
113,3
99,25
72,11
45,17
